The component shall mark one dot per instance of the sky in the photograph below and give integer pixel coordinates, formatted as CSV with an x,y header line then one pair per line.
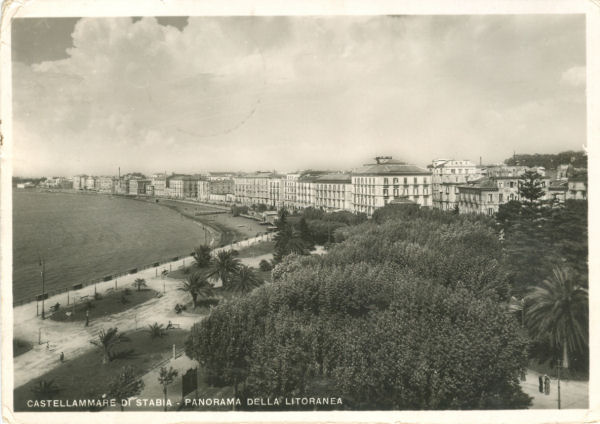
x,y
291,93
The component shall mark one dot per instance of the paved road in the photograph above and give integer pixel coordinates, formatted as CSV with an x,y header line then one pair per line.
x,y
573,394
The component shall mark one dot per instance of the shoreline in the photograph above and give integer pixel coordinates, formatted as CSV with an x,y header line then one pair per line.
x,y
215,232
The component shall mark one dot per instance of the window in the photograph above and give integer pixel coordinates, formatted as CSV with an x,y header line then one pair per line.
x,y
405,180
415,180
447,190
500,197
490,211
395,180
490,197
452,171
512,184
395,192
385,181
385,191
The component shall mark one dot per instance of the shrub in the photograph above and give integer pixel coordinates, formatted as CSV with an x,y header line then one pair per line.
x,y
265,265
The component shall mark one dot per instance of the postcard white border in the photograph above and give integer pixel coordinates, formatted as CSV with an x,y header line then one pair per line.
x,y
105,8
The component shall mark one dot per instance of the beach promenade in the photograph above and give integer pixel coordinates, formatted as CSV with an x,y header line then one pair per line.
x,y
73,338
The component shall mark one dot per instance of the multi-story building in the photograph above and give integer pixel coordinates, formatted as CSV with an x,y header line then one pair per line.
x,y
259,188
557,190
122,186
376,184
333,192
289,190
91,183
306,189
446,176
106,184
501,185
79,182
182,186
203,189
219,185
158,182
138,187
577,188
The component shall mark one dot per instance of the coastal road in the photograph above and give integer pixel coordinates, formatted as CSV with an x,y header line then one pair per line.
x,y
73,338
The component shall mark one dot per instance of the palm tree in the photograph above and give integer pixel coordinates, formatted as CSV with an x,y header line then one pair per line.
x,y
165,378
156,330
202,255
245,280
45,389
107,340
558,310
139,283
197,286
224,266
125,385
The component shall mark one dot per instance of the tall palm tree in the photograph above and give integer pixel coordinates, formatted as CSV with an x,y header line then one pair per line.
x,y
225,265
139,283
197,286
558,310
166,377
245,280
107,340
202,255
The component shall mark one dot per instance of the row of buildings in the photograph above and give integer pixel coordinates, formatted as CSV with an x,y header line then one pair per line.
x,y
446,184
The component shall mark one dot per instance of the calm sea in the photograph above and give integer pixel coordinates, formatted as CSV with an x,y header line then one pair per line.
x,y
82,237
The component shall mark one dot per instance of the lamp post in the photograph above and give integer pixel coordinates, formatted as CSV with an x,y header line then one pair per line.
x,y
42,272
558,367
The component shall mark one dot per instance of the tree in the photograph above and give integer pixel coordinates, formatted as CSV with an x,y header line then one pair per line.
x,y
107,341
530,187
202,255
305,233
224,266
166,377
557,311
245,280
156,330
139,283
197,286
45,389
125,385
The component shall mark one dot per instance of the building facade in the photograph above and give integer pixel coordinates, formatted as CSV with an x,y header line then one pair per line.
x,y
333,192
375,185
446,176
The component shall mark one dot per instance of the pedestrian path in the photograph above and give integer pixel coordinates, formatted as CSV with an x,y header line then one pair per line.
x,y
573,394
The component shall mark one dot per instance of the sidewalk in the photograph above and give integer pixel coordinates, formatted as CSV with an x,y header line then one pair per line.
x,y
73,338
573,394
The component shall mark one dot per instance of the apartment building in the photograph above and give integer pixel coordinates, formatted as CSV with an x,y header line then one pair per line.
x,y
577,187
91,183
333,192
158,182
182,186
106,184
289,190
259,188
138,187
306,188
376,184
446,176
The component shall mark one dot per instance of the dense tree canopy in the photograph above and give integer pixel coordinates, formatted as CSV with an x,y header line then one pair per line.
x,y
407,312
550,161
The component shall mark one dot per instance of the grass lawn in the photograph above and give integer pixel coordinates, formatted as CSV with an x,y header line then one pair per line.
x,y
257,249
110,303
20,347
85,377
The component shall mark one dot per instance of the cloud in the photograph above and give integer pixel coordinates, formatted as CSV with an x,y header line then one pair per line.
x,y
574,76
292,92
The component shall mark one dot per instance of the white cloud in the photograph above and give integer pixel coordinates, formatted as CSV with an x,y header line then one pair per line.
x,y
288,93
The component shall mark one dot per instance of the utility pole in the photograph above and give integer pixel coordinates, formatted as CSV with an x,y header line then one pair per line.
x,y
558,369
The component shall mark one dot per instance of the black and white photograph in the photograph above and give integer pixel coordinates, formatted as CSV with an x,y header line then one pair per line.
x,y
297,212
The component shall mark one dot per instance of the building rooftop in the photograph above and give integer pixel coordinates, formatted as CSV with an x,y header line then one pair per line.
x,y
391,168
486,184
334,178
